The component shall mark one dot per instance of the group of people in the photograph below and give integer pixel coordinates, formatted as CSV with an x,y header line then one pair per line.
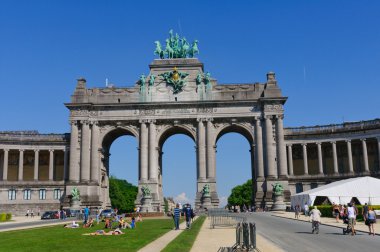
x,y
30,213
188,213
121,223
347,213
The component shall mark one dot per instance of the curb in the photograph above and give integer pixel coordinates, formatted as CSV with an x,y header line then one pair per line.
x,y
329,225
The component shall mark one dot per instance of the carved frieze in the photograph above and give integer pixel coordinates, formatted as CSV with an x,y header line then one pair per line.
x,y
273,107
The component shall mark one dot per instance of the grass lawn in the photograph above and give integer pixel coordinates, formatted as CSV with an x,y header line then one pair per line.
x,y
57,238
185,240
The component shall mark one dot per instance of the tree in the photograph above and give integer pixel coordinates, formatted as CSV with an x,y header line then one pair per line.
x,y
241,195
122,194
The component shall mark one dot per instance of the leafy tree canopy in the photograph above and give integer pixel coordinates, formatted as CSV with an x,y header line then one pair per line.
x,y
241,195
122,194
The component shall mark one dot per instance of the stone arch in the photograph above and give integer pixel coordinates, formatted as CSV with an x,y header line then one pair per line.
x,y
240,128
111,134
170,130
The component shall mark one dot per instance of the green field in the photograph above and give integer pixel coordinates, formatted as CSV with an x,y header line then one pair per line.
x,y
57,238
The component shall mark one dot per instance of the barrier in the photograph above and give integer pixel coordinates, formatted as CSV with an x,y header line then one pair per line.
x,y
223,218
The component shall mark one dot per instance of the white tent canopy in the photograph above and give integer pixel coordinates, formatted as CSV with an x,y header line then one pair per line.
x,y
365,189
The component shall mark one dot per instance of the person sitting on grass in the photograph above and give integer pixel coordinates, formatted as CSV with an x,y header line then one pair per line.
x,y
107,223
89,223
133,223
71,225
102,232
139,217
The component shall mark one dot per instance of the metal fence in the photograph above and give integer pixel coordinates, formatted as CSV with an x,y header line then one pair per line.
x,y
224,218
245,238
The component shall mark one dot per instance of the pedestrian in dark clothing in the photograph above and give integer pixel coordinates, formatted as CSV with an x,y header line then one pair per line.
x,y
188,213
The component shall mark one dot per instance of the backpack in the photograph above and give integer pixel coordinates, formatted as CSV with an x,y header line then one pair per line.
x,y
192,214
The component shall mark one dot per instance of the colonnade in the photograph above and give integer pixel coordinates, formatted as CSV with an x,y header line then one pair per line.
x,y
365,167
20,172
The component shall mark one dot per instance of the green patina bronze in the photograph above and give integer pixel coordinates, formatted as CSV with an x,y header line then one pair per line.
x,y
176,47
75,194
207,78
151,80
206,190
278,189
198,80
145,191
176,79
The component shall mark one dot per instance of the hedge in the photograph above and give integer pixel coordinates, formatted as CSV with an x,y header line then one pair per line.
x,y
5,217
326,210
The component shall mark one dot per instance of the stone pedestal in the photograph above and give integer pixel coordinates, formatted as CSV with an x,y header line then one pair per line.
x,y
75,204
146,204
278,203
206,202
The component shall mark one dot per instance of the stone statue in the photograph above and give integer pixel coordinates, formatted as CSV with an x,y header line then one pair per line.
x,y
151,80
198,80
142,80
206,78
159,50
145,191
75,194
206,190
278,189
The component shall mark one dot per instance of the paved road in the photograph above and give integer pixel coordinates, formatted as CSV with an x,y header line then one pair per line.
x,y
294,236
11,225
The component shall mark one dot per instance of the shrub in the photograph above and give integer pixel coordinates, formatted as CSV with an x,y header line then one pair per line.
x,y
8,216
3,216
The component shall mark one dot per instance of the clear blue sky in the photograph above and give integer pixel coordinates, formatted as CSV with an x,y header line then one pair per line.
x,y
326,55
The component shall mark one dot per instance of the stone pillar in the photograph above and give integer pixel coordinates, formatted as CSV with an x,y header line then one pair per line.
x,y
85,152
271,169
335,158
349,153
201,154
281,148
36,164
305,165
143,152
74,173
259,158
51,165
95,169
153,160
365,155
210,151
290,160
5,165
65,164
320,163
21,165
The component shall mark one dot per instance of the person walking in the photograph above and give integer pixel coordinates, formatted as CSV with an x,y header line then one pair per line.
x,y
297,210
336,212
351,214
188,214
86,214
365,212
176,216
306,209
315,218
371,219
32,213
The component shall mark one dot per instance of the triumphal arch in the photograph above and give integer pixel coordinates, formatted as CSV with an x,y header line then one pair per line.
x,y
176,96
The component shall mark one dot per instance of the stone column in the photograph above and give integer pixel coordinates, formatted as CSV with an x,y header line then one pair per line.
x,y
281,148
36,164
74,173
259,158
290,160
21,165
153,160
95,169
201,154
335,158
305,165
5,165
349,153
65,164
85,152
143,152
365,155
271,169
51,165
210,151
320,163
